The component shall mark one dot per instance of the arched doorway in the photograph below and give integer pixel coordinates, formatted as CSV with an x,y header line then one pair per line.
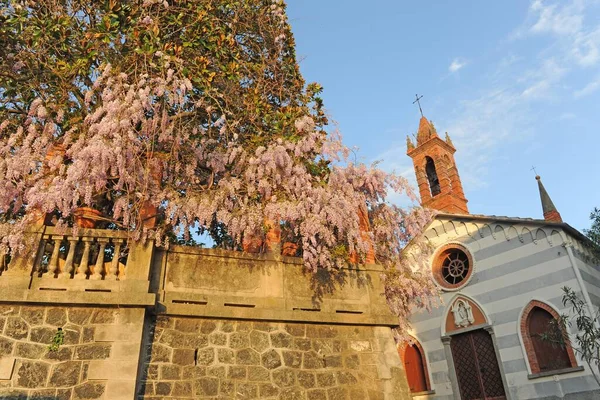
x,y
476,374
415,366
476,366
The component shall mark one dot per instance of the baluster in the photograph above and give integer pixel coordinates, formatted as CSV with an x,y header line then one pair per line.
x,y
126,262
2,259
114,265
53,264
84,265
99,267
39,267
68,270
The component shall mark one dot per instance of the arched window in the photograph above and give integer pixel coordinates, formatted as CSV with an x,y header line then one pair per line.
x,y
432,177
413,357
543,354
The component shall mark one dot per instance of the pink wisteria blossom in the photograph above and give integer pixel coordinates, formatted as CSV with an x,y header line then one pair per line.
x,y
229,148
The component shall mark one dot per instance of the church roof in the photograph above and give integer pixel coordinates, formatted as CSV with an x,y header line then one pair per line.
x,y
514,220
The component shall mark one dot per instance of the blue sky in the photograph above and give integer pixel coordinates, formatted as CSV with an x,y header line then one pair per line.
x,y
514,83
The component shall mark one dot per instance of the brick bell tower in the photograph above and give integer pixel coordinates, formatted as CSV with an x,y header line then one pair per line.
x,y
437,176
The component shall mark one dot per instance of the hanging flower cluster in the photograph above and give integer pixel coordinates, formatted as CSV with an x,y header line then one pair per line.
x,y
197,109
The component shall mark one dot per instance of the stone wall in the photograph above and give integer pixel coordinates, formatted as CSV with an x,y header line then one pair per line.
x,y
190,323
97,360
211,358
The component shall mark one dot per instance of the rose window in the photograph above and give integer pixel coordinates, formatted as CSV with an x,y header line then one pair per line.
x,y
452,267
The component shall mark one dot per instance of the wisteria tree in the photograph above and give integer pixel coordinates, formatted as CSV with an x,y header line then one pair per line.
x,y
193,109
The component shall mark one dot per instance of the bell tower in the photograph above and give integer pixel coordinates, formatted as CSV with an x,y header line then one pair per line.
x,y
437,176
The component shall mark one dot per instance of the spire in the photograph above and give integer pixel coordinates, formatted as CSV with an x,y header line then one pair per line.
x,y
409,143
448,140
426,131
550,211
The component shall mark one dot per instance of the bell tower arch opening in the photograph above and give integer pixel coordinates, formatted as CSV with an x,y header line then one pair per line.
x,y
432,177
437,175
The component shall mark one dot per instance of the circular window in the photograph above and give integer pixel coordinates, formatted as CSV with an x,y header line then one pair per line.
x,y
452,266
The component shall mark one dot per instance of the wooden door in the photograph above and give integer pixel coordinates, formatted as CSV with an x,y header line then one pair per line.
x,y
415,373
476,366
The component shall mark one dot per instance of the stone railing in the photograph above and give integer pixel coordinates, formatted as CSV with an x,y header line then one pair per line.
x,y
96,255
104,266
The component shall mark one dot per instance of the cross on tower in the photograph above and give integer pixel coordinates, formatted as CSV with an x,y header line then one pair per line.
x,y
418,102
534,171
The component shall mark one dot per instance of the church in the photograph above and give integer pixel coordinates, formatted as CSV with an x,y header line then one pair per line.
x,y
500,280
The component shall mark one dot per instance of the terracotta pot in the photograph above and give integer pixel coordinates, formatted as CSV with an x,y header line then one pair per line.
x,y
148,214
364,227
252,244
55,150
273,237
86,217
289,249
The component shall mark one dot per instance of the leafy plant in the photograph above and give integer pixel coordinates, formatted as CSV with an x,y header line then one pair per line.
x,y
587,338
594,233
57,340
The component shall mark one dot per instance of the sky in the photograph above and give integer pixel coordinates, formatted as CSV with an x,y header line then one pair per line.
x,y
515,83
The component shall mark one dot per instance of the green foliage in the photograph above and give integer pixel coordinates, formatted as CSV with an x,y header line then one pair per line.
x,y
594,233
239,55
57,340
587,338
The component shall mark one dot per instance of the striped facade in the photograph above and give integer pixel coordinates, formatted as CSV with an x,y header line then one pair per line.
x,y
515,261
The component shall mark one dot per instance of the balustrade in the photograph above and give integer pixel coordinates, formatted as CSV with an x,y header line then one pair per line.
x,y
97,255
4,260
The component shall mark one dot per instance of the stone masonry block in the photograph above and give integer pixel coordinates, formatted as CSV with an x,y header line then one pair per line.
x,y
16,328
110,369
120,389
259,341
93,351
6,347
128,316
118,333
7,365
104,316
125,351
89,390
33,315
247,390
32,374
65,374
30,350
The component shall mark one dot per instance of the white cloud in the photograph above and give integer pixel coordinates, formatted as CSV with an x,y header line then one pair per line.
x,y
586,48
456,64
564,20
567,116
578,42
541,80
483,125
588,89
